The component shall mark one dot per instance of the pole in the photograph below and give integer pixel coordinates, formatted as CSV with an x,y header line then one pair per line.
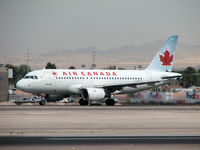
x,y
28,56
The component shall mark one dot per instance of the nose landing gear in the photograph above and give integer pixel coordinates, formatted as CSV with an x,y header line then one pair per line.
x,y
42,102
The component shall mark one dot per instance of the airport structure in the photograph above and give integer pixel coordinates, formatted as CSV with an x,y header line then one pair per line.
x,y
3,84
166,98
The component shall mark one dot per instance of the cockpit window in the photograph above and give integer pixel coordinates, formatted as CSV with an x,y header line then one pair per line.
x,y
26,77
35,77
31,77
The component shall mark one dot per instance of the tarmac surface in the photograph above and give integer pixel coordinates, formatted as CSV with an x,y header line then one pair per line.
x,y
58,120
103,147
123,126
101,142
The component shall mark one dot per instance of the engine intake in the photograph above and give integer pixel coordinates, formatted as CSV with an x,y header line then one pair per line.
x,y
93,94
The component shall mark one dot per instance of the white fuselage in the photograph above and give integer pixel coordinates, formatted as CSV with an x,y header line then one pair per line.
x,y
70,82
95,85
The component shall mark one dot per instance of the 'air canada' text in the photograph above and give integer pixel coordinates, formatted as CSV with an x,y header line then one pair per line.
x,y
74,73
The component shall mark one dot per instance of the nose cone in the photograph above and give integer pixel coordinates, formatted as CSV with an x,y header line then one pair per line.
x,y
20,85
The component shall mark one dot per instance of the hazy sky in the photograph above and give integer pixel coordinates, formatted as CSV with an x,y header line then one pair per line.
x,y
46,25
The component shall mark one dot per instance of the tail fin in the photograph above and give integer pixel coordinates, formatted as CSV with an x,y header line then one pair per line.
x,y
163,60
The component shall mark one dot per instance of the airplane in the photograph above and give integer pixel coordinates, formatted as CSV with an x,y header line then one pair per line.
x,y
101,85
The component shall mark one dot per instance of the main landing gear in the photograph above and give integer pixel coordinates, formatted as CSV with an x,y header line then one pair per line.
x,y
110,102
83,102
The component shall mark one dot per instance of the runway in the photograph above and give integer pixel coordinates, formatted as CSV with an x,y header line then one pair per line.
x,y
99,142
99,120
106,140
99,127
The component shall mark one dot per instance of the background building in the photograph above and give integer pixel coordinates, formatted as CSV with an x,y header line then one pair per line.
x,y
3,84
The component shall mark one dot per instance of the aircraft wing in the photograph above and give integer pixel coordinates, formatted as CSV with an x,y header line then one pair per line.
x,y
114,87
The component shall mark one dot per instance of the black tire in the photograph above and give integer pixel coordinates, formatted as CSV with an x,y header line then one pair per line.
x,y
83,102
18,103
42,102
110,102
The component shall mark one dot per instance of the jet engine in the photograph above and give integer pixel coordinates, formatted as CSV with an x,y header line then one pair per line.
x,y
54,97
93,94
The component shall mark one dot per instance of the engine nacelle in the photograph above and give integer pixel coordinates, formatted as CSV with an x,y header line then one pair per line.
x,y
93,94
54,97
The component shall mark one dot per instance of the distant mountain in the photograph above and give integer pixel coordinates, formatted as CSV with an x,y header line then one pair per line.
x,y
127,56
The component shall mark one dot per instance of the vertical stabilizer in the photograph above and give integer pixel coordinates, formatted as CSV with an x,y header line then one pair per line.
x,y
163,61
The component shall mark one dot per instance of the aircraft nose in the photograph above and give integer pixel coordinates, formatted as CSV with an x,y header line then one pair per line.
x,y
19,85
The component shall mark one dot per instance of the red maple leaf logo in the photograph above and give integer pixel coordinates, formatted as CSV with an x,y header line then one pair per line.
x,y
54,73
166,59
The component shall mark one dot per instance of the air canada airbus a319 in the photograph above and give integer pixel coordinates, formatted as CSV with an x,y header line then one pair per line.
x,y
102,85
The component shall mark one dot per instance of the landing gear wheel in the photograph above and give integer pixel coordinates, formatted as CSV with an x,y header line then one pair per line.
x,y
83,102
110,102
42,102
